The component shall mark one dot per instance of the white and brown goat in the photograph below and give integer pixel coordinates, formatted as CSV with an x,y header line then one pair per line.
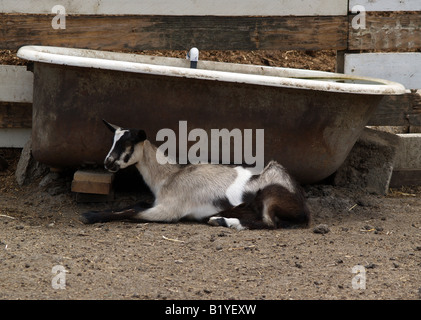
x,y
223,195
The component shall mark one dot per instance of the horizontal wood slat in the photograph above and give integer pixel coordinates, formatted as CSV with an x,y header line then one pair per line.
x,y
15,115
182,7
404,68
15,84
176,32
387,5
402,110
393,31
14,137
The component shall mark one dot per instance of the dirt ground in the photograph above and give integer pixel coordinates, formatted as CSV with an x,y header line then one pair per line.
x,y
40,229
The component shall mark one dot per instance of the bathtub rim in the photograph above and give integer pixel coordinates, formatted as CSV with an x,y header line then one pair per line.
x,y
294,78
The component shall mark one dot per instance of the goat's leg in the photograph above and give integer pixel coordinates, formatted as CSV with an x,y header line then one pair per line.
x,y
159,213
112,215
240,217
272,207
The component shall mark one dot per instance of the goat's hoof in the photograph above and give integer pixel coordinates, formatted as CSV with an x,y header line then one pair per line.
x,y
217,221
89,217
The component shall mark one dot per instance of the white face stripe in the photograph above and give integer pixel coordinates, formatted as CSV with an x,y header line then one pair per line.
x,y
117,135
235,191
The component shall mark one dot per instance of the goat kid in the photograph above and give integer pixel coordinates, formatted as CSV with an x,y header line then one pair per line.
x,y
224,195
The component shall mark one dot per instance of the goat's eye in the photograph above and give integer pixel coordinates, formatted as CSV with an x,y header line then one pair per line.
x,y
126,158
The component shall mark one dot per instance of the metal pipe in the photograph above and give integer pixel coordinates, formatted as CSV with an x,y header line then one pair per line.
x,y
193,56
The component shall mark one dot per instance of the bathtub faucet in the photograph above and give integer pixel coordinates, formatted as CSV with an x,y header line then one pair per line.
x,y
193,56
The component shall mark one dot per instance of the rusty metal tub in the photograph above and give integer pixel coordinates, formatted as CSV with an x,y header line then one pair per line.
x,y
311,119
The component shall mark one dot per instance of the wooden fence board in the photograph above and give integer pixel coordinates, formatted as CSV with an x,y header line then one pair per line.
x,y
15,115
176,33
387,5
14,138
393,31
15,84
182,7
404,68
404,110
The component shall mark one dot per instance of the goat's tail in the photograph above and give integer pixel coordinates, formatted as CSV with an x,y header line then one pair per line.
x,y
272,207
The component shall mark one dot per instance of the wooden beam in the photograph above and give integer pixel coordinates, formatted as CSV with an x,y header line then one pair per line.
x,y
14,138
404,68
404,110
182,7
15,115
383,32
176,32
387,5
16,84
92,182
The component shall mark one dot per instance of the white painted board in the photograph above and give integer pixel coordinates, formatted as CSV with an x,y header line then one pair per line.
x,y
182,7
16,84
14,137
387,5
404,68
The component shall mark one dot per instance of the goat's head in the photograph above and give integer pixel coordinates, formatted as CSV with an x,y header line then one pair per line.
x,y
127,147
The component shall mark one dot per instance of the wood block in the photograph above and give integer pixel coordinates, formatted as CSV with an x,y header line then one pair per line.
x,y
94,176
93,182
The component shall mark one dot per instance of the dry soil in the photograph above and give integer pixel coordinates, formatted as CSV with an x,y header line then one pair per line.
x,y
40,229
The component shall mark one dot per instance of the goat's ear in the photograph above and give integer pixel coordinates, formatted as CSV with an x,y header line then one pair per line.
x,y
110,126
141,136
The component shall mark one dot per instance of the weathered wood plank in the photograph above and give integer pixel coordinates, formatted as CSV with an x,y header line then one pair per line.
x,y
94,176
382,32
176,33
387,5
92,182
404,110
15,115
182,7
16,84
14,138
91,187
404,68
